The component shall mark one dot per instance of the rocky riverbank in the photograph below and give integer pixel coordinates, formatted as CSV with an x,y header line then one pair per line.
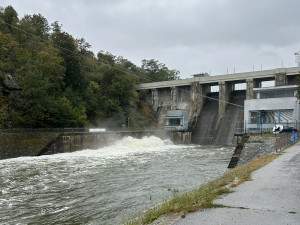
x,y
255,147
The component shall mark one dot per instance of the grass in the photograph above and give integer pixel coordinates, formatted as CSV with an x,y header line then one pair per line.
x,y
203,196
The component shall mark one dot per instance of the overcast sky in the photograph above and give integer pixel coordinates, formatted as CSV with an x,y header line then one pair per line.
x,y
191,36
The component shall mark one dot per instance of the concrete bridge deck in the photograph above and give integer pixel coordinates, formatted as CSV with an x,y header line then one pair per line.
x,y
236,77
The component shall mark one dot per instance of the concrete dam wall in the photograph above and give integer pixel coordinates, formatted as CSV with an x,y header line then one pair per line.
x,y
212,122
211,129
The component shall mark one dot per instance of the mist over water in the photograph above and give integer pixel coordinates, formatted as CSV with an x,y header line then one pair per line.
x,y
103,186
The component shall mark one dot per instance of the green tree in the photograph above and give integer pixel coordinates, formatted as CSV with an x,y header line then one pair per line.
x,y
48,65
39,25
63,83
155,71
106,58
9,16
74,77
93,101
32,30
9,54
4,111
117,91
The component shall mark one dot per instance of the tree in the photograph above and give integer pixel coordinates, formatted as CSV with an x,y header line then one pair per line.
x,y
83,46
92,100
117,91
48,65
74,77
4,111
10,18
155,71
106,58
39,25
9,54
62,83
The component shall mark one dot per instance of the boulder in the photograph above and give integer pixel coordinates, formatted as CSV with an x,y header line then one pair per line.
x,y
10,84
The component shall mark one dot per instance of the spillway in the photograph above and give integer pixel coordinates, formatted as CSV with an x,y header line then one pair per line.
x,y
212,130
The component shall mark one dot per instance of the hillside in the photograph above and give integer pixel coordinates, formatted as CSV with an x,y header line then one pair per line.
x,y
62,83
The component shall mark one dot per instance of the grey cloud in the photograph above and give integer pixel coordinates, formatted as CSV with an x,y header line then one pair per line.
x,y
191,35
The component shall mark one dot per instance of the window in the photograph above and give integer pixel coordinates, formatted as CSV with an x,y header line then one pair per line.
x,y
285,115
253,117
269,117
173,122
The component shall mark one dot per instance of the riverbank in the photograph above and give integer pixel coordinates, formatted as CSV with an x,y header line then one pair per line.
x,y
202,197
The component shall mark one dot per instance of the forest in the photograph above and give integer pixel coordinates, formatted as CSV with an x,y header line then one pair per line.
x,y
63,84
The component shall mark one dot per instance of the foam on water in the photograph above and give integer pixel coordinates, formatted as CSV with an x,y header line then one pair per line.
x,y
120,148
145,142
127,146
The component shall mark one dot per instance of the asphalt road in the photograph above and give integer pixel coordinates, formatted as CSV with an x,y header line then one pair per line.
x,y
272,197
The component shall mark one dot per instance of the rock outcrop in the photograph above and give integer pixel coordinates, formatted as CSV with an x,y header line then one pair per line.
x,y
9,85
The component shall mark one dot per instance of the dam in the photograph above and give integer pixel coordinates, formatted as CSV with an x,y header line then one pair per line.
x,y
213,116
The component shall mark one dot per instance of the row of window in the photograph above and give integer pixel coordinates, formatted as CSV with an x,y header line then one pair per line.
x,y
271,116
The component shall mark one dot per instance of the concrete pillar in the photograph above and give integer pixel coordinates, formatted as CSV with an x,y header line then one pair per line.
x,y
250,84
155,98
203,90
280,79
224,96
195,97
197,94
174,93
249,89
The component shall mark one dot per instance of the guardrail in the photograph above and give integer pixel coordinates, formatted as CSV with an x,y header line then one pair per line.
x,y
78,130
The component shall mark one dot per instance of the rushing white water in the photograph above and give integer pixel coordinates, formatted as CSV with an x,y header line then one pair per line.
x,y
103,186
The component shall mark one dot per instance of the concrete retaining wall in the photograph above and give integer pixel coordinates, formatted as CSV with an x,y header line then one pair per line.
x,y
71,142
181,137
19,144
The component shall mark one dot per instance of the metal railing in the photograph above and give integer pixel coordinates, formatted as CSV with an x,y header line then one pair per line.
x,y
77,130
282,142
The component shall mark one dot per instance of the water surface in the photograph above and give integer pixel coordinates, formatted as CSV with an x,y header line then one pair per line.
x,y
103,186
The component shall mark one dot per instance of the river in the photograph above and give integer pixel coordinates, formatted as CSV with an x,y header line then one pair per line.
x,y
104,186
